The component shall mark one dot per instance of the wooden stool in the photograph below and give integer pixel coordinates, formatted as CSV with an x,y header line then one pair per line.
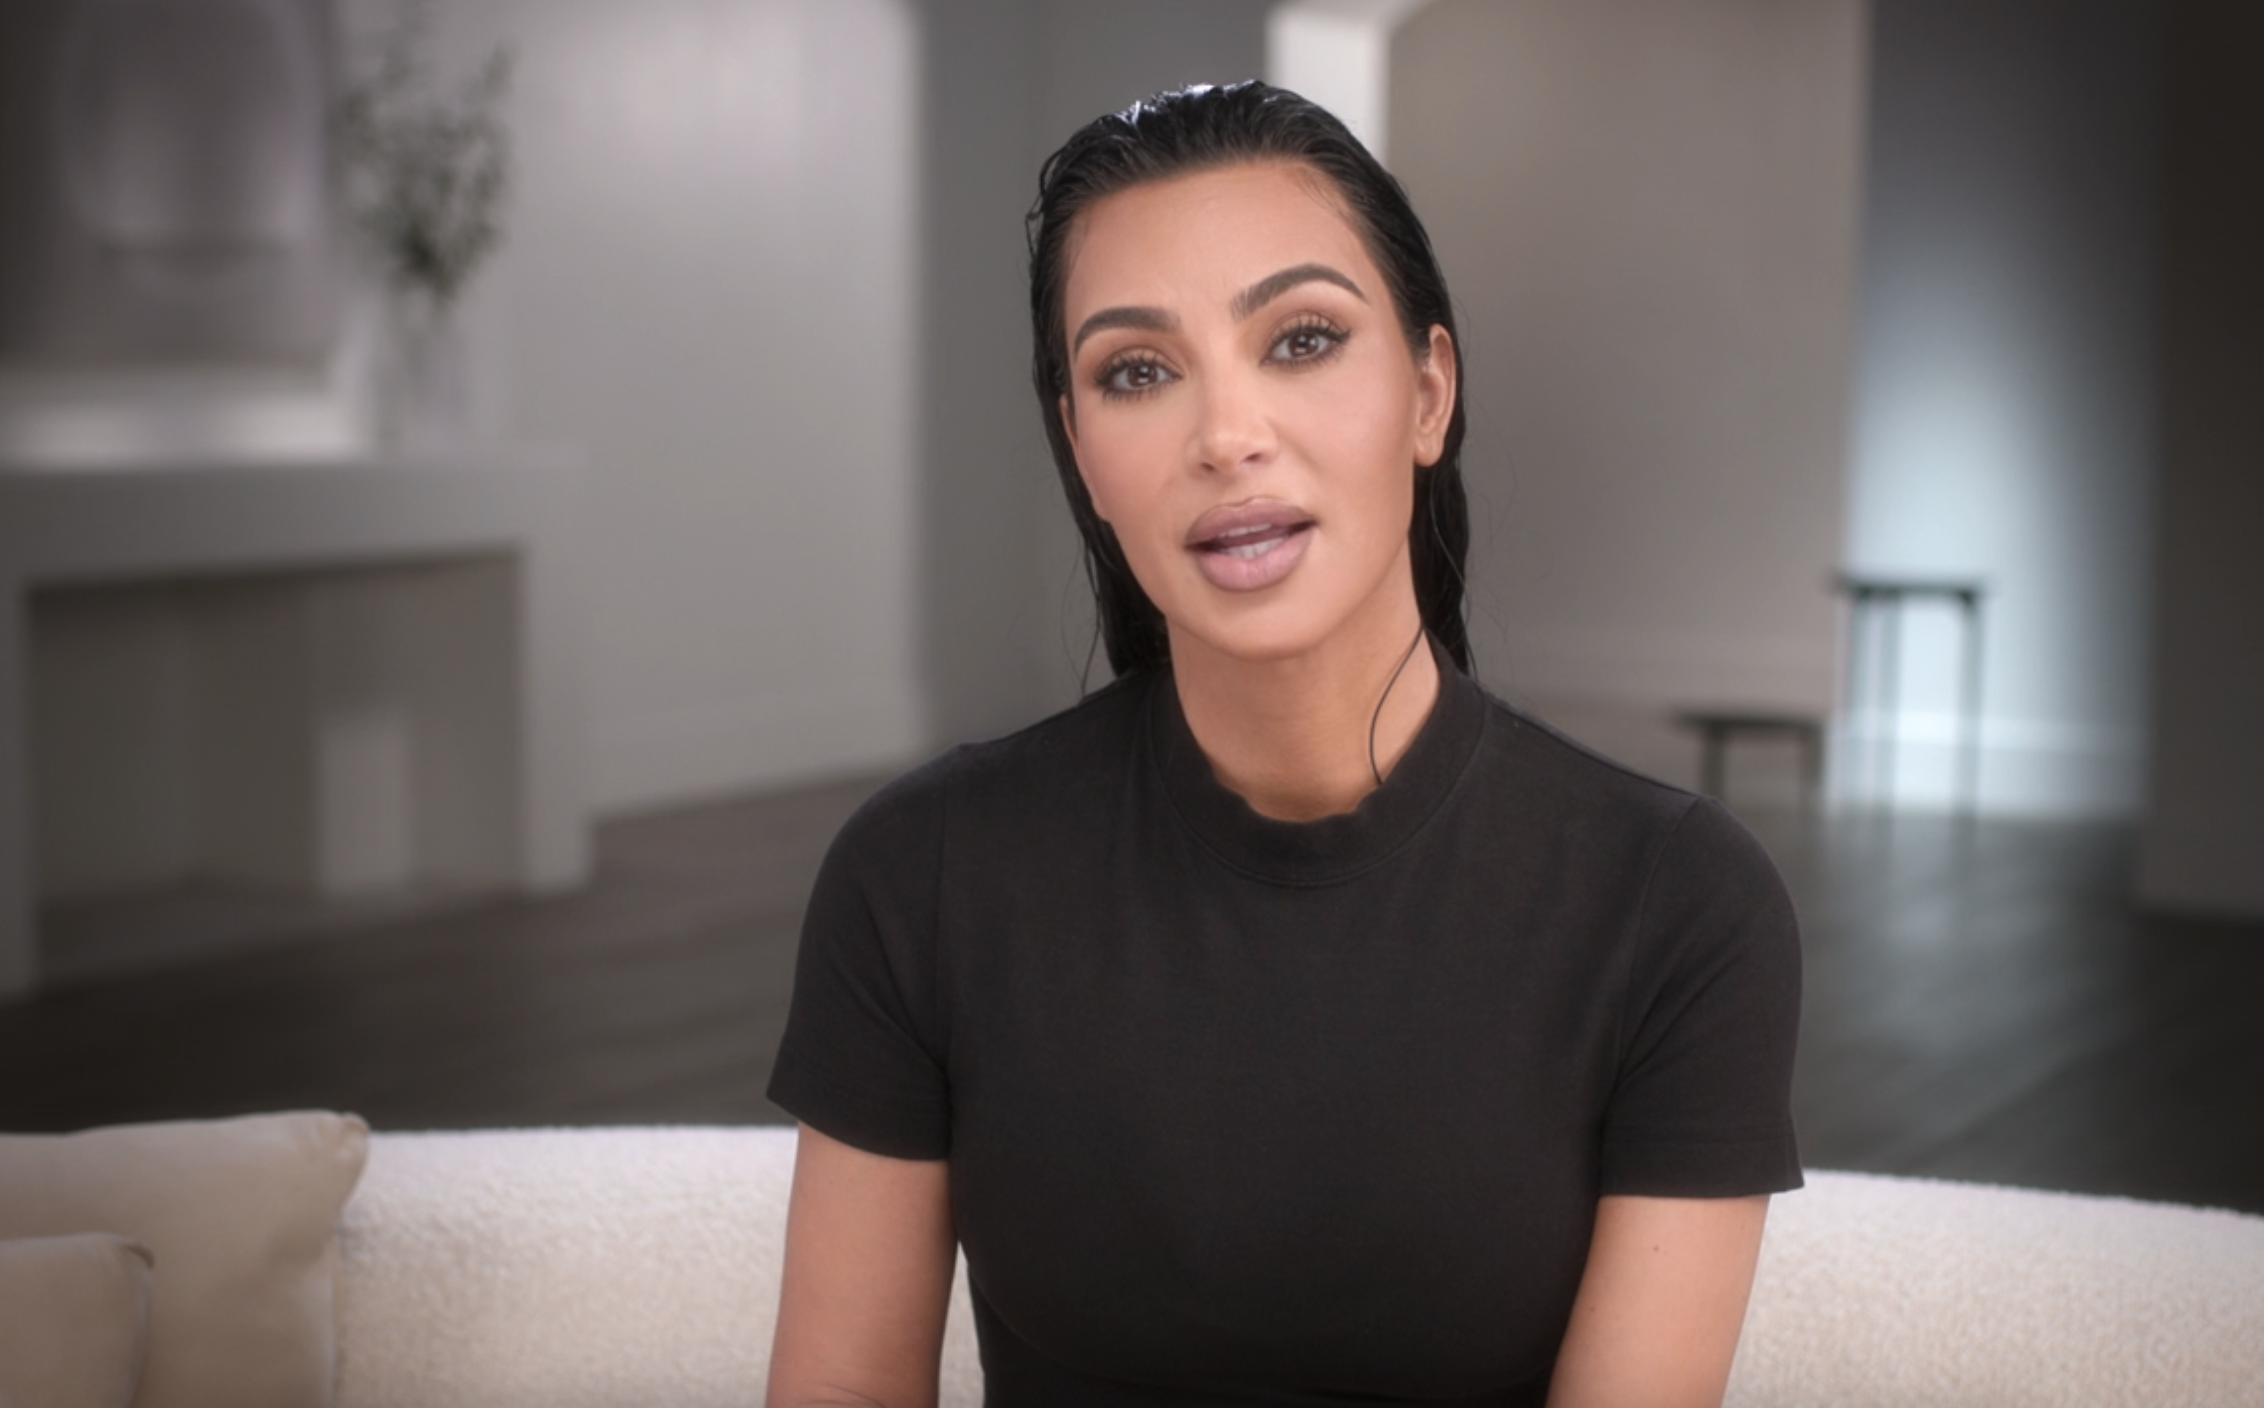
x,y
1717,728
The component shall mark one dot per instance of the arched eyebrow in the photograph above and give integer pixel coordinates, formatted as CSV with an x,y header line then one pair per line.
x,y
1138,319
1273,286
1247,302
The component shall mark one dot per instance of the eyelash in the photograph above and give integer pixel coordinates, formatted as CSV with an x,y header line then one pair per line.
x,y
1310,326
1108,378
1117,366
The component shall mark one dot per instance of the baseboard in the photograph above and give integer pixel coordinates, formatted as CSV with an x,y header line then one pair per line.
x,y
2027,767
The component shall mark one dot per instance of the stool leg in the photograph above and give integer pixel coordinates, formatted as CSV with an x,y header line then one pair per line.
x,y
1969,730
1890,689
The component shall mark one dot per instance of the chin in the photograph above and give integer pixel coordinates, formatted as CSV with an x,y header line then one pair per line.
x,y
1260,638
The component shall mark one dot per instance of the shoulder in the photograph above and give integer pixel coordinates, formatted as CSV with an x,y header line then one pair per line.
x,y
1579,792
1021,778
1676,848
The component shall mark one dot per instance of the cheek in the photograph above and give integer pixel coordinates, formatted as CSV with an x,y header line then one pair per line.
x,y
1097,470
1090,451
1371,436
1119,460
1383,478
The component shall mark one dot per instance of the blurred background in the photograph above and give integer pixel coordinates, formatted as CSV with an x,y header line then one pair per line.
x,y
738,501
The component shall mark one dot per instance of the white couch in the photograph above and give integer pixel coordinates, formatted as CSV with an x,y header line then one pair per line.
x,y
609,1267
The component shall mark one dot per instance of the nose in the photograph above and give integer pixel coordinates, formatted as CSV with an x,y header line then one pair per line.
x,y
1235,430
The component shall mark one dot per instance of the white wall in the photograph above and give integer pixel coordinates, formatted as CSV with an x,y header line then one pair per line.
x,y
710,287
2006,405
1648,215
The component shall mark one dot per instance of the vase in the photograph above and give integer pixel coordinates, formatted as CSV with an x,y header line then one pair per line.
x,y
423,402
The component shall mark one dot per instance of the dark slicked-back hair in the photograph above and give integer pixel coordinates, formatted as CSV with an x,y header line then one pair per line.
x,y
1203,128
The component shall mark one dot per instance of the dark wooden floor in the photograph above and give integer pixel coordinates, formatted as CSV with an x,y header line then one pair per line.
x,y
1983,1003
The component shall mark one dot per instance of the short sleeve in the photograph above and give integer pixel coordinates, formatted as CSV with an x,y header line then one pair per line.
x,y
862,1058
1703,1102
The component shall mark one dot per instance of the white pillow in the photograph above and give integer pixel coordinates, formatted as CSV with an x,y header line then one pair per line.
x,y
241,1216
74,1320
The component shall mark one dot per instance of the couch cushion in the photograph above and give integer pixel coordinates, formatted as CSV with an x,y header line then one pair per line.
x,y
574,1268
74,1320
240,1216
1875,1292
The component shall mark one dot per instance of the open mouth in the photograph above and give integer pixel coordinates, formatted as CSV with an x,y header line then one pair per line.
x,y
1254,541
1245,547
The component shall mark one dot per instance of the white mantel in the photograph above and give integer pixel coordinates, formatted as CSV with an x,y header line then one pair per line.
x,y
490,694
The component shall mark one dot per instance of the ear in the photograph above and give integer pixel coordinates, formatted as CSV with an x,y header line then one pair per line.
x,y
1436,376
1069,430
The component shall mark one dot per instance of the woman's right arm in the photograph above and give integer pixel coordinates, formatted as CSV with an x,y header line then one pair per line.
x,y
869,1256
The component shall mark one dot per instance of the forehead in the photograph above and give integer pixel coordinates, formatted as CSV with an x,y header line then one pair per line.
x,y
1211,232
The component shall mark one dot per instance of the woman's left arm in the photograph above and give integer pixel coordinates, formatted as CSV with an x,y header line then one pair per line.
x,y
1661,1302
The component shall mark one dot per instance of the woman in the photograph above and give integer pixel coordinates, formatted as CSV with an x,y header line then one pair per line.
x,y
1290,1021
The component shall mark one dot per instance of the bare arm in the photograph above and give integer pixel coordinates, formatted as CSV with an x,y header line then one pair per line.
x,y
869,1254
1656,1321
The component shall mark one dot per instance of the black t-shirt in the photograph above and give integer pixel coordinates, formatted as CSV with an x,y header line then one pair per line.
x,y
1241,1110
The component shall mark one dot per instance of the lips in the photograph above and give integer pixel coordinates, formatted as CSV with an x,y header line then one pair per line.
x,y
1244,547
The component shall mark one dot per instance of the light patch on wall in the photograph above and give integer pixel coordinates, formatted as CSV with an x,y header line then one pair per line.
x,y
1338,53
684,80
162,418
1958,425
712,290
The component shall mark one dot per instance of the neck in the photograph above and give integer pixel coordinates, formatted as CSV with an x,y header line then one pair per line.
x,y
1292,735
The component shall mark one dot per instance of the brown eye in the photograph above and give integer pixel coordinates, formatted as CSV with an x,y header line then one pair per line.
x,y
1306,344
1132,376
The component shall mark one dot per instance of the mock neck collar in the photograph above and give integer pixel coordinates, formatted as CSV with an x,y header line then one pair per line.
x,y
1333,847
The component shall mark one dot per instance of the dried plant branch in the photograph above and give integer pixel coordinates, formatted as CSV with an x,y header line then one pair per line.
x,y
427,173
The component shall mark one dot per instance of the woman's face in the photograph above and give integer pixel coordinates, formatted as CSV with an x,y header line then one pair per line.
x,y
1246,410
